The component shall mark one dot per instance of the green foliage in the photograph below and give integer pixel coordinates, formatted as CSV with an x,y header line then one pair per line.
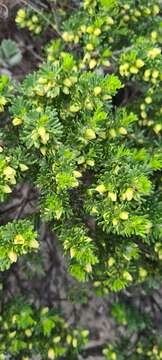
x,y
16,238
139,338
27,331
10,54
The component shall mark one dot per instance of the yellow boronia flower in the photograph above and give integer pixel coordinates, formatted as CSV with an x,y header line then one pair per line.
x,y
12,256
97,90
51,354
89,134
17,121
92,63
154,52
19,239
128,195
28,332
10,174
21,14
34,244
67,37
112,196
127,276
43,135
3,102
124,215
101,189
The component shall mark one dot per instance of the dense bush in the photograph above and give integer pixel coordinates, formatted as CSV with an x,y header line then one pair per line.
x,y
85,131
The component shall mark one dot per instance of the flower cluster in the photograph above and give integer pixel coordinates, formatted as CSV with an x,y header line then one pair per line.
x,y
27,331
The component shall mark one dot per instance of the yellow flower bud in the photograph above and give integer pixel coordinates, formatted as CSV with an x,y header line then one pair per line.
x,y
89,134
127,276
124,215
97,90
7,189
89,29
28,332
92,63
101,189
133,70
112,196
19,239
68,82
89,47
112,133
34,244
109,20
21,13
155,9
122,131
111,261
9,172
154,52
129,194
77,174
97,32
51,354
142,273
90,162
139,63
153,35
12,256
74,108
148,100
157,128
23,167
16,121
155,74
66,36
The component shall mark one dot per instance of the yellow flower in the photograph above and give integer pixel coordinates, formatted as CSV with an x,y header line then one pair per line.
x,y
7,189
16,121
28,332
154,52
133,70
92,63
12,256
9,172
111,261
51,354
122,131
77,174
67,82
109,20
97,32
43,134
89,134
112,133
127,276
148,100
34,244
89,47
74,108
139,63
19,239
112,196
101,188
97,90
21,13
128,195
124,215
